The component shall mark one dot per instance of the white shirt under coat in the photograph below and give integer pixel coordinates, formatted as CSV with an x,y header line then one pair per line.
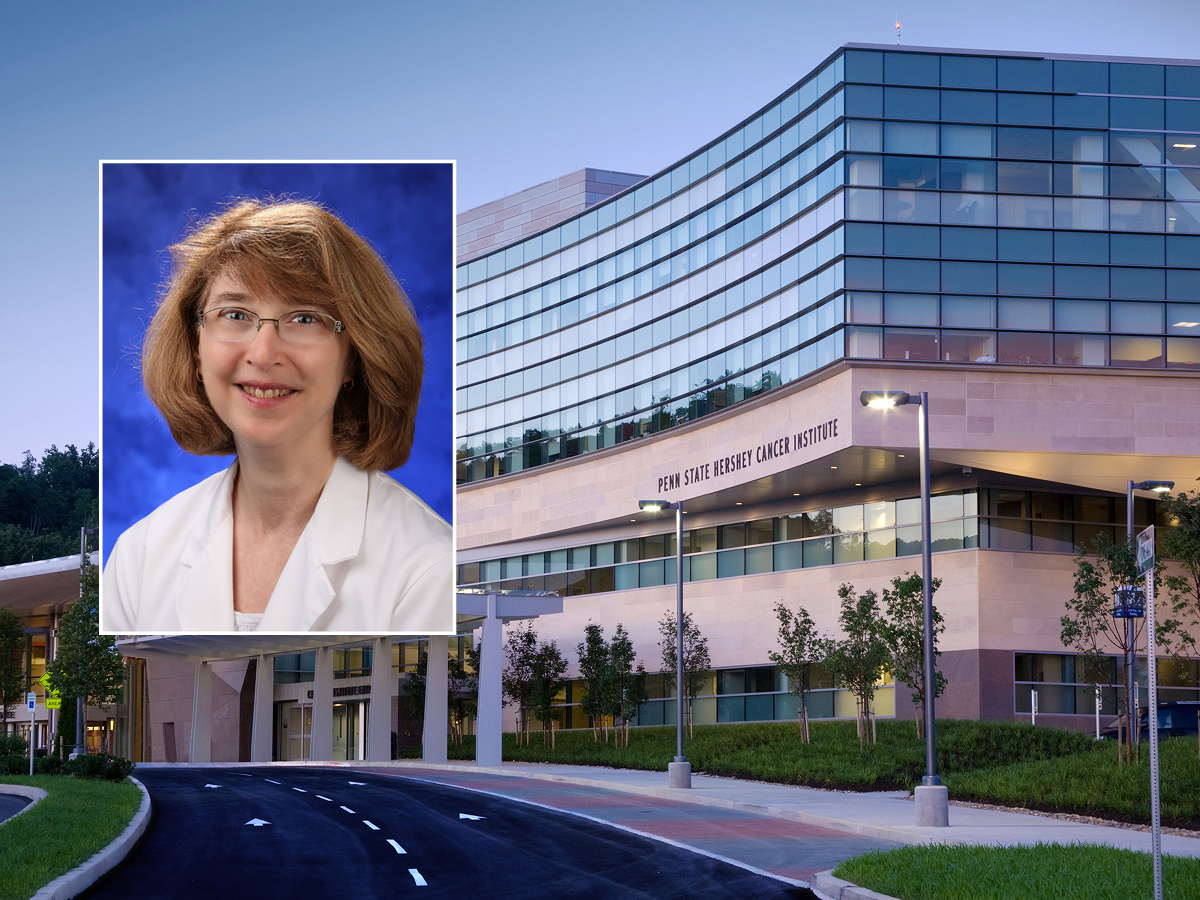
x,y
373,558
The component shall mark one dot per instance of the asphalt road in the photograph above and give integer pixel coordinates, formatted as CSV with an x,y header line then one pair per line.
x,y
782,847
10,805
328,832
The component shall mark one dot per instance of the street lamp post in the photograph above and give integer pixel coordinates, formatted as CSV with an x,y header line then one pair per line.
x,y
80,749
1161,487
933,802
679,772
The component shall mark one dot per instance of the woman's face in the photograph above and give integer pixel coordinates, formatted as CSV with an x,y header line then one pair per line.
x,y
269,392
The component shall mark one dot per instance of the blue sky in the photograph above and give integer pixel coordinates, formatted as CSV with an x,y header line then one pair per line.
x,y
518,93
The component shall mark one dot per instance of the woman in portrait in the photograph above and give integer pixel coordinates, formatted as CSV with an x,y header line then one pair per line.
x,y
284,339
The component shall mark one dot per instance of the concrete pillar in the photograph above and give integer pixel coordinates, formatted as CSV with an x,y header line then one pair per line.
x,y
379,728
435,733
933,805
322,709
264,708
488,747
201,750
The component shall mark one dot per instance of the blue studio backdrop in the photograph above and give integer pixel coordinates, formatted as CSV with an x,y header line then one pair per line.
x,y
404,210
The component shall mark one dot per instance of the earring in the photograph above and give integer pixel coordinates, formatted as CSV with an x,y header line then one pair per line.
x,y
199,376
348,385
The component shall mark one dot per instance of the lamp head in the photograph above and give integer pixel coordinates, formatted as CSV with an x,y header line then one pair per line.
x,y
1162,487
883,399
653,505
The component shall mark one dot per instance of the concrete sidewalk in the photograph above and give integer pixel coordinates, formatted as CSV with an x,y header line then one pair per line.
x,y
885,816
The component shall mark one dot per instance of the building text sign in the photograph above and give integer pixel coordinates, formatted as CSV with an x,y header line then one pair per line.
x,y
754,455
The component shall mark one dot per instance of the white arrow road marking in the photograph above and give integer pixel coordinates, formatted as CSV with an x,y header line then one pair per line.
x,y
272,782
301,790
396,846
370,824
348,809
319,797
212,785
471,817
258,823
355,782
243,774
420,882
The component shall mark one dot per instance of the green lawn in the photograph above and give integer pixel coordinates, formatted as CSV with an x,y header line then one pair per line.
x,y
75,820
1003,873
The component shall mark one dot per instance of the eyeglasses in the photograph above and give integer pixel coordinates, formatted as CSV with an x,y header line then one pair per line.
x,y
234,325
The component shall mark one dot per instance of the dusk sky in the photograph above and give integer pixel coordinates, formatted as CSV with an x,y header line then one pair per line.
x,y
517,93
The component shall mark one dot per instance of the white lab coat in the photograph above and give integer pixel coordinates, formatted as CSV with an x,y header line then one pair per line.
x,y
372,559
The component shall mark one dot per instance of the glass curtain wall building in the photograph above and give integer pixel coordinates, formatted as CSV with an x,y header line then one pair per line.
x,y
1017,234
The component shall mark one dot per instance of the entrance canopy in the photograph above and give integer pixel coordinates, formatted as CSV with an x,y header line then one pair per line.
x,y
210,648
44,587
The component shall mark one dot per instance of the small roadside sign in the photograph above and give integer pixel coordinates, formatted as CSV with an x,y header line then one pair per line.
x,y
44,681
54,703
31,701
1145,551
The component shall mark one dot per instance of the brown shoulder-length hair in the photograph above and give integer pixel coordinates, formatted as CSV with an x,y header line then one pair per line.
x,y
302,251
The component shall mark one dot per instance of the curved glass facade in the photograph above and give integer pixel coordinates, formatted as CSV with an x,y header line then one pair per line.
x,y
894,205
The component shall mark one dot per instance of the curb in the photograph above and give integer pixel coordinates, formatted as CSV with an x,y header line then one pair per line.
x,y
825,886
33,794
902,834
85,875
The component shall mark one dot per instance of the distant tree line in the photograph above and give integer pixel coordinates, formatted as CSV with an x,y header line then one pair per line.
x,y
43,503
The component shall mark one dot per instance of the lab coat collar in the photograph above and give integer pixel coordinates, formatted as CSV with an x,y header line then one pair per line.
x,y
333,535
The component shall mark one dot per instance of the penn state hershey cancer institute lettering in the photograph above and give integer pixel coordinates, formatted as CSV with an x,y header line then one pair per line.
x,y
752,456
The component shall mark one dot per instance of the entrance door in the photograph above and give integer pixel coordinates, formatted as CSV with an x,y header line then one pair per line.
x,y
349,730
299,730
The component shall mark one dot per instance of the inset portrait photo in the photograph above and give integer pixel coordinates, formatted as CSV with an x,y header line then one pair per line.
x,y
276,445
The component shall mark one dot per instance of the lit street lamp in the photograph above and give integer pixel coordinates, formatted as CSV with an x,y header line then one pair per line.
x,y
679,772
933,804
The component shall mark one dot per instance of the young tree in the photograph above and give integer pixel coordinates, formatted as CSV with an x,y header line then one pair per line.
x,y
415,685
800,648
595,673
1181,542
12,663
463,685
549,667
517,679
858,661
1089,628
696,662
87,663
627,685
905,604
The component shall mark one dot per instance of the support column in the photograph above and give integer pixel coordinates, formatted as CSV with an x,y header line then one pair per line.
x,y
435,732
322,710
379,725
264,707
488,746
201,750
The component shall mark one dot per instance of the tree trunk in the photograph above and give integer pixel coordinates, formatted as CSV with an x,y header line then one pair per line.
x,y
862,731
804,735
